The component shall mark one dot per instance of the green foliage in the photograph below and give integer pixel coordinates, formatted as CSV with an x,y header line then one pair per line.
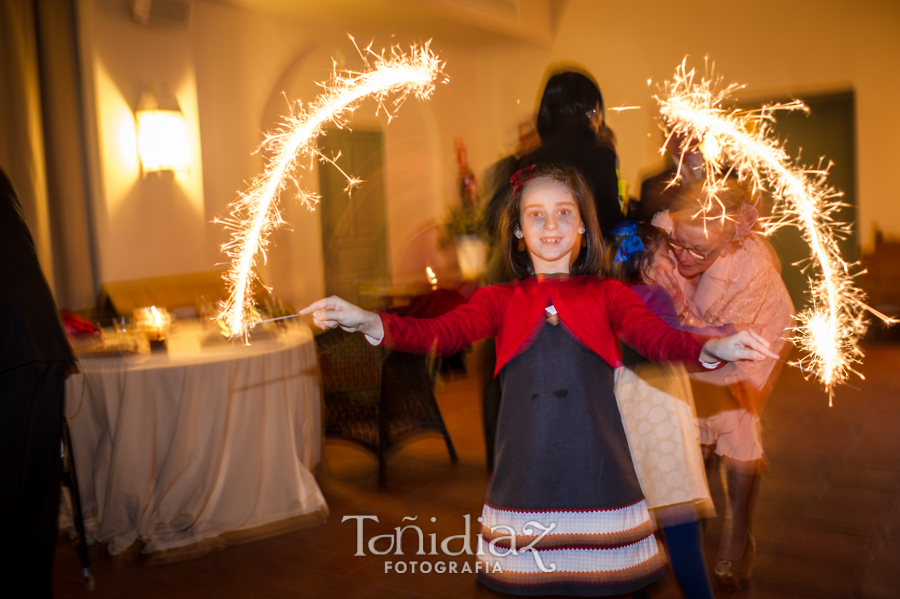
x,y
463,221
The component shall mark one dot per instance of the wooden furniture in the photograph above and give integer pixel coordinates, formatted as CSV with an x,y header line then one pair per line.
x,y
881,281
120,298
374,397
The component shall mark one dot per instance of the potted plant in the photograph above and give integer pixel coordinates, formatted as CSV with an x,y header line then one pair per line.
x,y
465,229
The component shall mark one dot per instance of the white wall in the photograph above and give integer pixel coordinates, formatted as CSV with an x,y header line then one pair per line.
x,y
230,67
153,225
776,48
233,71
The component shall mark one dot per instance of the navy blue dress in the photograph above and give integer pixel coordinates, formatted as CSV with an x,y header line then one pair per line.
x,y
564,484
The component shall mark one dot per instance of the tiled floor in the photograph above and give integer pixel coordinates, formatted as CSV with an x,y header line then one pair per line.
x,y
827,521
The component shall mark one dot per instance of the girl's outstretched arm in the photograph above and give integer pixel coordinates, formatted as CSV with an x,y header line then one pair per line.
x,y
646,332
746,345
334,312
444,335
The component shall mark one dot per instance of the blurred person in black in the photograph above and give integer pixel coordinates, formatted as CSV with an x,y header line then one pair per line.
x,y
569,121
658,191
573,132
35,357
571,125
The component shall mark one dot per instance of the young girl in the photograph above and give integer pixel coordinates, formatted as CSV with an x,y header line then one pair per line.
x,y
649,394
642,261
564,512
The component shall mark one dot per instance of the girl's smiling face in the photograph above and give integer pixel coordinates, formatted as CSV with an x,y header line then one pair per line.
x,y
551,225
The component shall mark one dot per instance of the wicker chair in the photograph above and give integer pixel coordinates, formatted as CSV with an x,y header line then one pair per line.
x,y
374,397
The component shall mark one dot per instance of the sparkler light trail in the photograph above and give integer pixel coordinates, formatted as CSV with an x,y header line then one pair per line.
x,y
254,215
741,142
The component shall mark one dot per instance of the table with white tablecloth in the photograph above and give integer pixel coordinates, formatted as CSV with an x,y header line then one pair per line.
x,y
181,451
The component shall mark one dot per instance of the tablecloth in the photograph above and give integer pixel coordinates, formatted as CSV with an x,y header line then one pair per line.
x,y
182,451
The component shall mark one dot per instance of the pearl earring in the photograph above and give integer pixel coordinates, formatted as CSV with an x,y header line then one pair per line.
x,y
519,235
581,230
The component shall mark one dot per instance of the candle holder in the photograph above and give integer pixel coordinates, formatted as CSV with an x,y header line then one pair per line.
x,y
153,324
126,339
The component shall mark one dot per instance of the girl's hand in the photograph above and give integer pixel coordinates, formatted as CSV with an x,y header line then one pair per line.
x,y
756,328
746,345
334,312
666,279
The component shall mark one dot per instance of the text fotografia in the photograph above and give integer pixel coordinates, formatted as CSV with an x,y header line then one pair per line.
x,y
453,546
441,567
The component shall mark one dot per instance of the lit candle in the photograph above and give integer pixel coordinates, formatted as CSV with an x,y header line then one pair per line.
x,y
156,327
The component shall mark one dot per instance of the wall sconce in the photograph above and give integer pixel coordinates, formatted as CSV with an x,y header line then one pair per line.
x,y
162,134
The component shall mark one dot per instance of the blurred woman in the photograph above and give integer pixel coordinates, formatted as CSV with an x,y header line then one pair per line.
x,y
658,413
727,272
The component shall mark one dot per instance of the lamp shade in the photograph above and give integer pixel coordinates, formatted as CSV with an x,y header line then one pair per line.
x,y
162,135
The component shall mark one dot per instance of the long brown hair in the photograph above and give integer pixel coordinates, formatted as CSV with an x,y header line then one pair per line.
x,y
590,257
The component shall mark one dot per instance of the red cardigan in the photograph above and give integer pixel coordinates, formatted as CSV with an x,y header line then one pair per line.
x,y
597,311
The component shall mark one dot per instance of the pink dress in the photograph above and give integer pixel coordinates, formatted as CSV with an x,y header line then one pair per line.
x,y
743,286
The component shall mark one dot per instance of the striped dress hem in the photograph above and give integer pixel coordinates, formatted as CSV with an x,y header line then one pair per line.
x,y
568,552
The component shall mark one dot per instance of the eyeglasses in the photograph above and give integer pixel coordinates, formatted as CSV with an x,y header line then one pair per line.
x,y
694,252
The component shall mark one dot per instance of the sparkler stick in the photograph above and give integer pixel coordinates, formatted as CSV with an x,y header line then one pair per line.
x,y
811,373
254,215
693,109
256,322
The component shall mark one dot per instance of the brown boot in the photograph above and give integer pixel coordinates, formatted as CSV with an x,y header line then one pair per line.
x,y
738,550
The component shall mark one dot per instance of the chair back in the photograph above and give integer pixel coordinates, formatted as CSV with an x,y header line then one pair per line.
x,y
348,361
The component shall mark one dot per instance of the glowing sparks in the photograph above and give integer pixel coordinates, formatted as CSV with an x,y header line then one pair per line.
x,y
740,142
623,108
709,147
255,214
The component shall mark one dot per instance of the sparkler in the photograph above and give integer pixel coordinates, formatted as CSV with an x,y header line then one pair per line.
x,y
254,215
741,142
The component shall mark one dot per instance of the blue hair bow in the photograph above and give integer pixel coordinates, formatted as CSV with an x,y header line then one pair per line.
x,y
631,244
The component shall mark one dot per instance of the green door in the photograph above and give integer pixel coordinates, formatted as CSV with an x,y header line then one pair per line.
x,y
354,225
829,131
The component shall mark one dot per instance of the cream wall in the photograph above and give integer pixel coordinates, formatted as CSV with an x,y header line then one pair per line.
x,y
776,48
234,70
146,225
233,67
